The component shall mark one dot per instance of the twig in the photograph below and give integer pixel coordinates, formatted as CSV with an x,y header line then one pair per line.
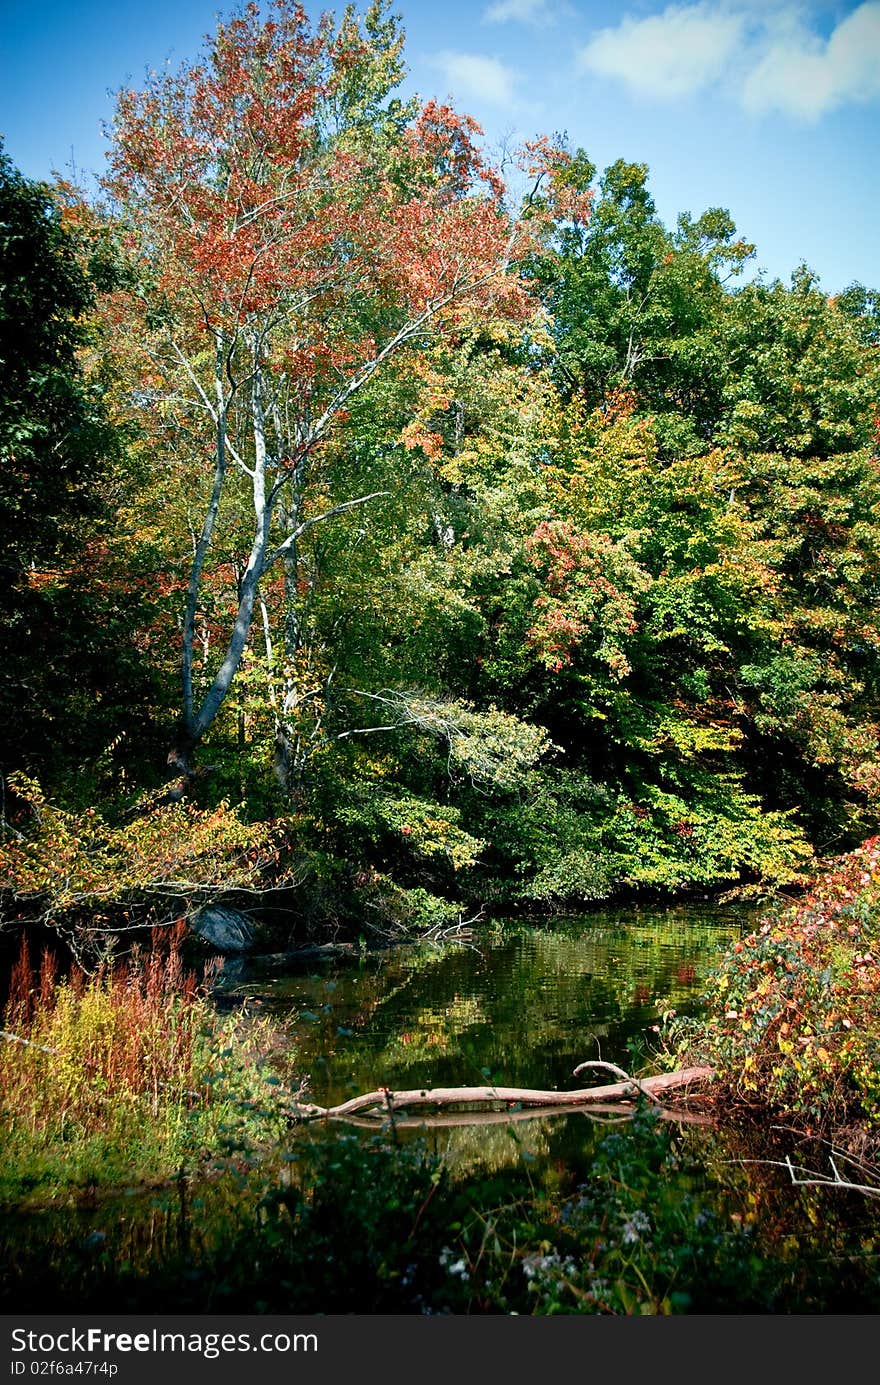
x,y
56,1053
814,1179
619,1072
17,1039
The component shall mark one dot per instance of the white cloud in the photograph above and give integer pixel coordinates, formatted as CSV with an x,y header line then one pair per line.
x,y
537,12
469,75
766,55
668,55
805,76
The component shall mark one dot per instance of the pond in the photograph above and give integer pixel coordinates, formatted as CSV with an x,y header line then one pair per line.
x,y
700,1212
517,1004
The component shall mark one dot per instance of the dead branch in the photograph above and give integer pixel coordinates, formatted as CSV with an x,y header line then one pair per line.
x,y
619,1072
601,1112
384,1101
814,1179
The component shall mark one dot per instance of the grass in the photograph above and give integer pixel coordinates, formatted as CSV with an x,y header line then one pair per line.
x,y
129,1076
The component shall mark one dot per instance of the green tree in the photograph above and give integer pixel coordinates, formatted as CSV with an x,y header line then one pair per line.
x,y
69,663
733,673
633,303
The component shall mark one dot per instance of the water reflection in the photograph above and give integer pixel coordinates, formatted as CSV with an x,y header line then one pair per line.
x,y
520,1005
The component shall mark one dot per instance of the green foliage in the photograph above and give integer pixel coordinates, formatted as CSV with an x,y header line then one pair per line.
x,y
72,675
379,905
53,436
797,378
632,303
570,877
546,845
708,831
492,748
698,628
429,829
354,1225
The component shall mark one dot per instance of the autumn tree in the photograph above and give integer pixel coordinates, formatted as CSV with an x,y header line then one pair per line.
x,y
294,228
702,599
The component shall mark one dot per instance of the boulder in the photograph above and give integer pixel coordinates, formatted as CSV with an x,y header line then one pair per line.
x,y
224,928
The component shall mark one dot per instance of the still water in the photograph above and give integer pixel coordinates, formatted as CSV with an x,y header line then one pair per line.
x,y
515,1005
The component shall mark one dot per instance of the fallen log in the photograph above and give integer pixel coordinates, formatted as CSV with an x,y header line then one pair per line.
x,y
606,1112
384,1101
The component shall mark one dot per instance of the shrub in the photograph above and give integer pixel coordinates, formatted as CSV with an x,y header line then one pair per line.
x,y
794,1008
78,873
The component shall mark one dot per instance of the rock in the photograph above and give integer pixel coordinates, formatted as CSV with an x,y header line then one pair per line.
x,y
224,928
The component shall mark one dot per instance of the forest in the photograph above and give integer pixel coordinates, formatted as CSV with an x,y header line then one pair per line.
x,y
397,539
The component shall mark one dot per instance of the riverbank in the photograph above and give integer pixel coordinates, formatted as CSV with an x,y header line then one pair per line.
x,y
540,1215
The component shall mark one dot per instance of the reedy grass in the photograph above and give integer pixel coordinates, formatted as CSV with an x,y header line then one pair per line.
x,y
129,1076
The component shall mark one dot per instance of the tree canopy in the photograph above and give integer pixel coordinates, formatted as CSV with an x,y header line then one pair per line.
x,y
481,550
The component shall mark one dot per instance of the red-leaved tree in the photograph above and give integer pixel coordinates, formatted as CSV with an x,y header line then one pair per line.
x,y
291,227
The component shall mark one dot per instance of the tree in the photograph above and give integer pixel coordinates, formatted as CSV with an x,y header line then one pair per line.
x,y
738,657
691,612
294,228
633,303
67,651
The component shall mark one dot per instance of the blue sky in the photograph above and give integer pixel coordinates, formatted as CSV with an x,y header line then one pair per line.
x,y
770,108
